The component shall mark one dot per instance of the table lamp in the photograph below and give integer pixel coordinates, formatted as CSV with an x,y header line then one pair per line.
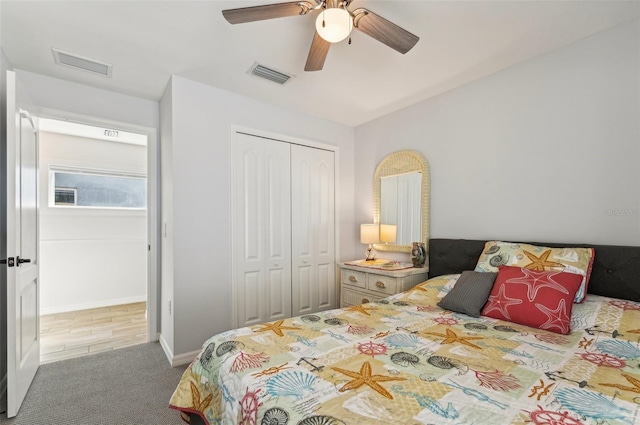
x,y
369,234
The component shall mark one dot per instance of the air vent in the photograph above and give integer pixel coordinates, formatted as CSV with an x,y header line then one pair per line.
x,y
269,74
78,62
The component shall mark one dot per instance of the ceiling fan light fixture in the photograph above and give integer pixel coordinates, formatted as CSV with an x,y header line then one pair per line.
x,y
334,24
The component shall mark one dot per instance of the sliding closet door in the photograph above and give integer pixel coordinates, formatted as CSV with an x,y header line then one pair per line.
x,y
261,230
313,235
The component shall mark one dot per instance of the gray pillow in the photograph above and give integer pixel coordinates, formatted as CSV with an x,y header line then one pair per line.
x,y
470,293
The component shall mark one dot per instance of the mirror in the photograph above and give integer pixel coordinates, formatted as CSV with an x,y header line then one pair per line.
x,y
401,197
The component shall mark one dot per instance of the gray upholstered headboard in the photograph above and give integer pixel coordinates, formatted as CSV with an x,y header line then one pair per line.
x,y
615,273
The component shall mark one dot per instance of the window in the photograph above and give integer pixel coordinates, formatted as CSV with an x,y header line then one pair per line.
x,y
98,189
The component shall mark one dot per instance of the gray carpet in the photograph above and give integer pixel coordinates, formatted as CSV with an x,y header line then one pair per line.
x,y
122,387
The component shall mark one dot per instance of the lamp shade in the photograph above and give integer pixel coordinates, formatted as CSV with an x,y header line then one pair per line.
x,y
334,24
369,233
388,232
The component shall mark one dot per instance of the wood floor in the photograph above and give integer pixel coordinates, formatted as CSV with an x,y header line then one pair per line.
x,y
78,333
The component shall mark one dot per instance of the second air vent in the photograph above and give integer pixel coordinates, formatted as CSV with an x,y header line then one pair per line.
x,y
79,62
269,74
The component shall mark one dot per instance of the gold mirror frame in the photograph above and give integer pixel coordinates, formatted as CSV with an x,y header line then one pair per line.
x,y
402,162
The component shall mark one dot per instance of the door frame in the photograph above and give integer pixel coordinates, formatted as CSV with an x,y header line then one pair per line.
x,y
233,130
153,204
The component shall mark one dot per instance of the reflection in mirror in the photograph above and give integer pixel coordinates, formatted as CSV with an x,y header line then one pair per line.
x,y
401,198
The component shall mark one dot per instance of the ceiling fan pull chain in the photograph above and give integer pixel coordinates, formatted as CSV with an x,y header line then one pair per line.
x,y
349,20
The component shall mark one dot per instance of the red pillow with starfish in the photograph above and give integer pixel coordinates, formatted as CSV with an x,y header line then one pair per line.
x,y
540,299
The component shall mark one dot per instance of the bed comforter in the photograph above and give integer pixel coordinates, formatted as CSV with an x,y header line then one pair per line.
x,y
403,360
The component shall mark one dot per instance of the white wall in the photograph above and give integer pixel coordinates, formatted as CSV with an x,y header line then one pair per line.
x,y
52,94
540,151
90,257
547,150
199,229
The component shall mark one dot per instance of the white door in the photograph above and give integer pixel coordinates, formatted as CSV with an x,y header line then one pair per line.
x,y
22,262
261,229
313,235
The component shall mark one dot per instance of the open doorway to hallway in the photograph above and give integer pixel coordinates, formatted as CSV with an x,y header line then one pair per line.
x,y
93,239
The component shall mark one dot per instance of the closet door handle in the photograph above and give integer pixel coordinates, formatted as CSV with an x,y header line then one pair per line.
x,y
276,264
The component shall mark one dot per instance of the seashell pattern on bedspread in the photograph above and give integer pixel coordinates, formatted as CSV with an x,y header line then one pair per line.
x,y
406,361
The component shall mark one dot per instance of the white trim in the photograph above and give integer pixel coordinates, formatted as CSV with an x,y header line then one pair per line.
x,y
281,138
233,129
71,169
166,348
96,304
70,128
336,219
153,233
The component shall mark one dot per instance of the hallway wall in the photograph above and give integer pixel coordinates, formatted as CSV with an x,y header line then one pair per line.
x,y
90,257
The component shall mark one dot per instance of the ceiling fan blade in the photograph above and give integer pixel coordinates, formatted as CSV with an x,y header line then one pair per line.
x,y
384,31
317,53
268,11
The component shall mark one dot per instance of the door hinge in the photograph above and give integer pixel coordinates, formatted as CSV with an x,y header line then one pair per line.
x,y
10,262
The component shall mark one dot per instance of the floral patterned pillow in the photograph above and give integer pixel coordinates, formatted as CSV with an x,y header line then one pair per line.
x,y
538,258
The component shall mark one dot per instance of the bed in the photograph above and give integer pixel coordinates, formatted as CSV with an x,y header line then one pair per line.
x,y
405,360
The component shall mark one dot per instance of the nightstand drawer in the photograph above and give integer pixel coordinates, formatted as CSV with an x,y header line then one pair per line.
x,y
350,297
360,285
386,284
354,278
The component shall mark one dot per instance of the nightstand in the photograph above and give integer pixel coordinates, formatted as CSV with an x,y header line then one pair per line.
x,y
361,285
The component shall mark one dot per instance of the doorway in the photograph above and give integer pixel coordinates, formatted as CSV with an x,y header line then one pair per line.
x,y
93,239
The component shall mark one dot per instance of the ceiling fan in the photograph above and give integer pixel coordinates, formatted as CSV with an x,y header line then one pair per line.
x,y
333,24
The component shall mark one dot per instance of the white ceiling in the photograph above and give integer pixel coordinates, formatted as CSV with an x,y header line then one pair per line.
x,y
148,41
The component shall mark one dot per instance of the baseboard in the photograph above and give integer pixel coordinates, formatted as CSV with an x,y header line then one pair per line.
x,y
179,360
185,358
95,304
167,350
